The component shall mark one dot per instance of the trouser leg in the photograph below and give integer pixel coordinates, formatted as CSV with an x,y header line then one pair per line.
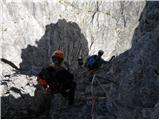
x,y
69,94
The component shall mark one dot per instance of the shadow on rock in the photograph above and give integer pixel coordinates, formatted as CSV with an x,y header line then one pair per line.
x,y
15,108
63,35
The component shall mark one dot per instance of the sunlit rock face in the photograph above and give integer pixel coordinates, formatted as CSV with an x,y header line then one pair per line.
x,y
106,25
31,31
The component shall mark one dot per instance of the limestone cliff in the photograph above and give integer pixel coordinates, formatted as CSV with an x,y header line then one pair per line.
x,y
31,31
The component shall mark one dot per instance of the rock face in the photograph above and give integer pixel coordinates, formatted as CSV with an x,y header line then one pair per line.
x,y
31,31
136,71
63,35
105,25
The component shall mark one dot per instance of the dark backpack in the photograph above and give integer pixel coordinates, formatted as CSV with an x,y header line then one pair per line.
x,y
92,62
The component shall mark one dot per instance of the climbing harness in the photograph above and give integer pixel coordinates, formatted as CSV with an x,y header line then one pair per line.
x,y
93,111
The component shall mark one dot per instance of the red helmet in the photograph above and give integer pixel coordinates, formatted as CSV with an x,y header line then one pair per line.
x,y
59,54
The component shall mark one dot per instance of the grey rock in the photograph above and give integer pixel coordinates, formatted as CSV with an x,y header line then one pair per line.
x,y
99,24
3,89
134,70
20,81
15,94
31,31
29,90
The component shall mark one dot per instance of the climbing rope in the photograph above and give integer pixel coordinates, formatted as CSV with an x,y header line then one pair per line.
x,y
104,90
93,111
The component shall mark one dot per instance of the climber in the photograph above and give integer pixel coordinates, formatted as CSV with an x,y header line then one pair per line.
x,y
80,61
56,79
94,62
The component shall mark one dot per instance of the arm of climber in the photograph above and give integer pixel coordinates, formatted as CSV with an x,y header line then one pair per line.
x,y
108,62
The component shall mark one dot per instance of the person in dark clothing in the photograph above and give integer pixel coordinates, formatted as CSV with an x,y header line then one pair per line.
x,y
57,79
94,62
53,79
